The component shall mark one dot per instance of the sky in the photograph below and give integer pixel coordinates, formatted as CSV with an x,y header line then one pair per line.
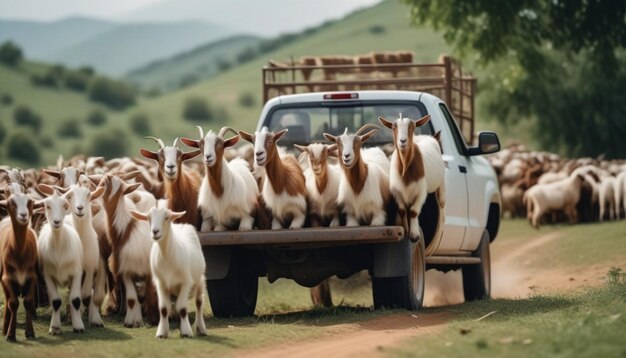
x,y
48,10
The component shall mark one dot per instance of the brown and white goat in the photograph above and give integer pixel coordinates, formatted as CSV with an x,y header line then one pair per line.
x,y
181,186
284,190
131,245
364,185
228,194
18,263
417,169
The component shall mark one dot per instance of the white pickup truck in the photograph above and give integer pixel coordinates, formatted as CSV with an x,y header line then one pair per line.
x,y
458,239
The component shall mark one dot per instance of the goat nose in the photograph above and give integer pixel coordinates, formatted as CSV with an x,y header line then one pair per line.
x,y
403,141
23,215
170,166
80,208
56,222
259,153
346,156
154,232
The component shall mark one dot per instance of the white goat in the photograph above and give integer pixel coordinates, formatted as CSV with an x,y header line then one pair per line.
x,y
560,195
417,169
607,197
177,266
228,193
364,185
60,258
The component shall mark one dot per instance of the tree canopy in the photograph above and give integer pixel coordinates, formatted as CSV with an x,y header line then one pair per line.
x,y
559,62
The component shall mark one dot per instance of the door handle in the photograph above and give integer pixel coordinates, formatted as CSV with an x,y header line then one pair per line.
x,y
462,169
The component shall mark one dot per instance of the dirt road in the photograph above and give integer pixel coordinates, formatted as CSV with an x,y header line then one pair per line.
x,y
512,277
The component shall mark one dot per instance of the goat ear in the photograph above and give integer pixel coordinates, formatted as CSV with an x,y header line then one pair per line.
x,y
53,173
131,187
247,136
368,135
45,189
231,141
39,210
280,134
95,208
332,151
330,137
129,175
139,216
149,154
95,178
190,142
385,122
190,155
61,190
96,193
3,203
174,215
301,148
420,122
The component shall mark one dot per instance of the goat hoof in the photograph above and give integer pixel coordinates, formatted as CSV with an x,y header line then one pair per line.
x,y
55,331
11,339
161,336
185,336
97,325
30,335
129,325
201,334
79,330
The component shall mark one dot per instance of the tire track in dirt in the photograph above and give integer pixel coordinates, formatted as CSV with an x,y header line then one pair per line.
x,y
358,339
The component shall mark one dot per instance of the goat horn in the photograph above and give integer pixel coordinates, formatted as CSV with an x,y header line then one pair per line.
x,y
175,145
366,127
225,130
158,140
201,132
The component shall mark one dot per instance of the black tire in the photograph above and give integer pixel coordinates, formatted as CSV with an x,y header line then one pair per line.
x,y
235,295
477,278
405,291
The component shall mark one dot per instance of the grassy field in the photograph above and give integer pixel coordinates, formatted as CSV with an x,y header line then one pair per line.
x,y
588,322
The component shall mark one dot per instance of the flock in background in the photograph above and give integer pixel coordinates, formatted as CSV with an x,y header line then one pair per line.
x,y
126,227
545,187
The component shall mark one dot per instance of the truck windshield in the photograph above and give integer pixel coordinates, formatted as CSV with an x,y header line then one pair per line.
x,y
308,124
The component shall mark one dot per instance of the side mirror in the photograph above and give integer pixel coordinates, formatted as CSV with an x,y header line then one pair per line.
x,y
488,143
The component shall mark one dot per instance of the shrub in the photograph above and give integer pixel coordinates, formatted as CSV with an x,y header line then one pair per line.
x,y
10,53
76,80
197,109
109,143
6,99
223,65
23,146
377,29
246,99
87,71
47,79
46,141
187,80
70,128
96,118
24,116
140,123
246,55
115,94
3,132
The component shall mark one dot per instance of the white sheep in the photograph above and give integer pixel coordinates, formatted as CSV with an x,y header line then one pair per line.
x,y
228,193
177,266
364,184
417,169
60,258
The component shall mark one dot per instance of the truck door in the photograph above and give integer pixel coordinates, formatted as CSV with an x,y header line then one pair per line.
x,y
457,218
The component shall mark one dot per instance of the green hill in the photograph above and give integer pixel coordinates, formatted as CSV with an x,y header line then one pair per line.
x,y
197,64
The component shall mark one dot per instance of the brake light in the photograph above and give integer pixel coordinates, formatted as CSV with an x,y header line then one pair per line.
x,y
341,96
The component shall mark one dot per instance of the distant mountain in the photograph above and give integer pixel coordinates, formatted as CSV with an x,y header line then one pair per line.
x,y
41,39
128,46
266,18
197,64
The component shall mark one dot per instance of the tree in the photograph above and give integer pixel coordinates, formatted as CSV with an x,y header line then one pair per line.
x,y
24,116
197,109
115,94
10,53
140,124
559,63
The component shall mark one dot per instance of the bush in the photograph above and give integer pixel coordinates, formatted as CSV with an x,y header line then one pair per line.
x,y
76,80
24,116
96,118
10,53
110,143
23,146
6,99
187,80
140,124
3,132
70,129
46,141
223,65
197,109
47,79
87,71
246,55
377,29
247,99
115,94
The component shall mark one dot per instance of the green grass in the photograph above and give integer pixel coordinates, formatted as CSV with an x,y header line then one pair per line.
x,y
587,324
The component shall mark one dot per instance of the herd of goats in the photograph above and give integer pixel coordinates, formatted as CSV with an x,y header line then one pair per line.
x,y
128,227
545,187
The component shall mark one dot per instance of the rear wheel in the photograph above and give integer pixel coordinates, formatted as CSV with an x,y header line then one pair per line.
x,y
235,295
405,291
477,278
